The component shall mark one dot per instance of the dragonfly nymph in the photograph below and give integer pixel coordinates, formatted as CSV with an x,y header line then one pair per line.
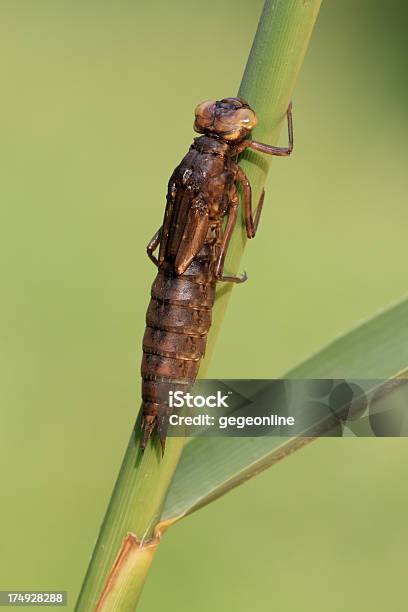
x,y
200,216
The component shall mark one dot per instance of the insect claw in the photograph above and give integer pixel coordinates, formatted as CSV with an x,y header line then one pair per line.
x,y
147,428
241,278
163,445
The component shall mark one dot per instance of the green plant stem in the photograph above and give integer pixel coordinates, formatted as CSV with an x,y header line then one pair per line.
x,y
276,56
138,497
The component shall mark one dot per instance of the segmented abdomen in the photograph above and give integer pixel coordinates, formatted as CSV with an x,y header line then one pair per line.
x,y
178,319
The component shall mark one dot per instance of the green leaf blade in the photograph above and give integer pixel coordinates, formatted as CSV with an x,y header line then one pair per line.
x,y
377,348
210,467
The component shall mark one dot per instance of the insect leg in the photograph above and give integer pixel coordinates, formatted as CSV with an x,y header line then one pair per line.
x,y
152,246
241,278
280,151
258,213
242,179
250,223
219,265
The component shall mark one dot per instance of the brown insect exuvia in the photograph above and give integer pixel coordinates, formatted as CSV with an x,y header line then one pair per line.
x,y
193,242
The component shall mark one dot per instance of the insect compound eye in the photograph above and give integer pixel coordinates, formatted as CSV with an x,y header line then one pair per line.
x,y
205,110
204,115
236,124
246,118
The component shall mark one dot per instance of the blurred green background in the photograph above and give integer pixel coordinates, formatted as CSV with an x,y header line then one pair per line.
x,y
97,108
